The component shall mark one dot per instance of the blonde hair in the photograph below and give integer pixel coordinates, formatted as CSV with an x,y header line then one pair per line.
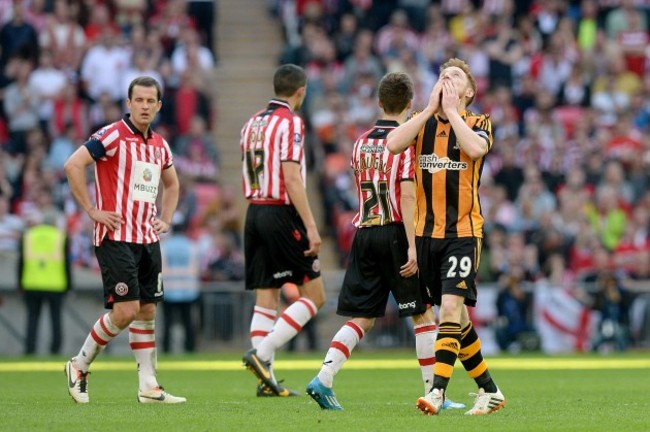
x,y
460,64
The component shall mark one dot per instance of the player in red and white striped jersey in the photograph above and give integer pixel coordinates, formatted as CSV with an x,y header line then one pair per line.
x,y
130,163
281,240
383,257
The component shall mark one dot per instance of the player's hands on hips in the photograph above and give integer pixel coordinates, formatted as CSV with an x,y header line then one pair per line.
x,y
160,226
411,266
110,220
314,242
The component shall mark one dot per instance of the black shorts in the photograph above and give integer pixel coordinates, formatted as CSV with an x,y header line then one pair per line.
x,y
130,271
376,256
449,266
275,241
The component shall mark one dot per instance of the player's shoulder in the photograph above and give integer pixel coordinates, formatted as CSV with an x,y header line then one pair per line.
x,y
476,115
110,129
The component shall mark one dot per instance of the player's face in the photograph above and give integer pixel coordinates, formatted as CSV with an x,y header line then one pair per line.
x,y
144,105
458,78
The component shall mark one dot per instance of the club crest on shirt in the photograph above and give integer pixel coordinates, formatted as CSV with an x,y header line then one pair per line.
x,y
158,154
121,289
100,132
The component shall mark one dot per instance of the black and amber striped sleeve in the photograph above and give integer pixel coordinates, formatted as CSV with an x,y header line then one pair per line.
x,y
483,128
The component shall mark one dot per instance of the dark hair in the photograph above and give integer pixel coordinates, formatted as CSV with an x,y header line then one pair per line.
x,y
395,92
287,79
145,81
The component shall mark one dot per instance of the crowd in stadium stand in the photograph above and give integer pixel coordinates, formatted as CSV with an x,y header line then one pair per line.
x,y
565,189
65,67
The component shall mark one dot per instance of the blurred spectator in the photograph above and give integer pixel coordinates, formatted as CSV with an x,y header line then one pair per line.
x,y
61,148
534,192
182,289
514,309
345,37
504,50
606,217
65,38
197,135
21,105
624,17
103,67
11,227
613,302
44,276
18,39
47,83
225,260
196,164
395,35
70,109
189,54
190,100
510,175
202,13
99,22
170,19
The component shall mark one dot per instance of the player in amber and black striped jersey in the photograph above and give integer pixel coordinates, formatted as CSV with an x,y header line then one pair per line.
x,y
450,146
383,257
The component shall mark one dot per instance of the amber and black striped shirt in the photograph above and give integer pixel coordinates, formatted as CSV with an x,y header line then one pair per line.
x,y
447,201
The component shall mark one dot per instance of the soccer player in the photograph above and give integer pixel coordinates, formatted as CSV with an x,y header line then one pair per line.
x,y
281,240
450,146
130,161
382,258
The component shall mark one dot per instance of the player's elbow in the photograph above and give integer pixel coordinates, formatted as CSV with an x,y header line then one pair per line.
x,y
392,145
69,167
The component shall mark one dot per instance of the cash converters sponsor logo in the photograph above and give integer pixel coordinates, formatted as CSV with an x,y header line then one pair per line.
x,y
433,164
410,305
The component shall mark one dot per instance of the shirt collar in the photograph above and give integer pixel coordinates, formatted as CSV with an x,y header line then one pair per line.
x,y
134,130
281,103
386,123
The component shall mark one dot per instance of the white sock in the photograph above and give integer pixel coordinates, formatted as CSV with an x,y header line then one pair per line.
x,y
142,338
261,325
340,349
289,324
425,343
102,333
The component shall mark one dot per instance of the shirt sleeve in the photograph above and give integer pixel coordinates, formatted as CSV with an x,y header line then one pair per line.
x,y
483,128
292,141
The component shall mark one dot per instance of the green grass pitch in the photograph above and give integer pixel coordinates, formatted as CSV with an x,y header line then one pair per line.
x,y
378,391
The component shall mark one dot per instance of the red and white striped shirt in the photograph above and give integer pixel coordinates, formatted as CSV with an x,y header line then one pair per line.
x,y
272,136
127,177
378,175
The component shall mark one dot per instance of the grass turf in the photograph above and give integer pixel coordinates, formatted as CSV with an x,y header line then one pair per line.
x,y
377,390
